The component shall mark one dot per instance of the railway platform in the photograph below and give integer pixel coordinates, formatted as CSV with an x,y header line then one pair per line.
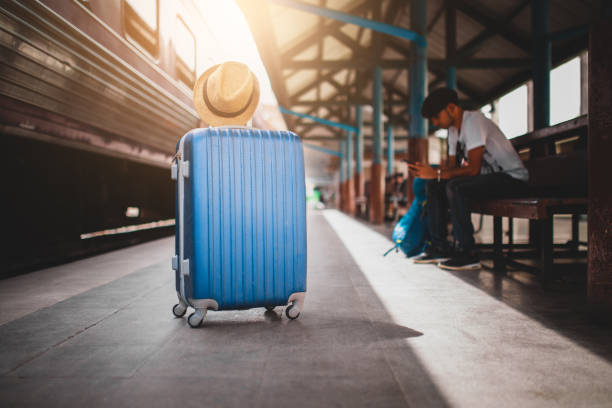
x,y
374,332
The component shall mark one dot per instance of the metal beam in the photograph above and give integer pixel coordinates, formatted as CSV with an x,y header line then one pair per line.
x,y
327,103
574,47
322,149
352,63
263,34
316,34
493,63
331,123
352,19
310,86
434,20
474,45
569,33
461,85
494,24
401,64
347,41
368,138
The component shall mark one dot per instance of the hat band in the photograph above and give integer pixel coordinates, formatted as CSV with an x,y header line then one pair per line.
x,y
221,113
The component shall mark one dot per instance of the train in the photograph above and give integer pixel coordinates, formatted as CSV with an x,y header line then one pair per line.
x,y
94,95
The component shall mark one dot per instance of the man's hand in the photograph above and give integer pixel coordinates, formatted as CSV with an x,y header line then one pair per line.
x,y
423,171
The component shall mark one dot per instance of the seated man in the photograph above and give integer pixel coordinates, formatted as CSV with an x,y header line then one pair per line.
x,y
489,168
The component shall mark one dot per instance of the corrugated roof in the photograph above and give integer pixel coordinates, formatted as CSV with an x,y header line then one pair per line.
x,y
321,66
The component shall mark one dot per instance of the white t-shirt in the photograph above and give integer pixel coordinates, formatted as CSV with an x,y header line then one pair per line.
x,y
499,155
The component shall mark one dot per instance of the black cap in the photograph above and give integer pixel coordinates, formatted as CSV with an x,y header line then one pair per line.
x,y
438,100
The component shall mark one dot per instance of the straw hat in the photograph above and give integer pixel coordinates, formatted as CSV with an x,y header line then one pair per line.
x,y
226,94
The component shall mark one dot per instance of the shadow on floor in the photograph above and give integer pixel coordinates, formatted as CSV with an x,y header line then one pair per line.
x,y
118,344
561,307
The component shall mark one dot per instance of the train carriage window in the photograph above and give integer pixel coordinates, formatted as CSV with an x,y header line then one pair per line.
x,y
141,22
185,48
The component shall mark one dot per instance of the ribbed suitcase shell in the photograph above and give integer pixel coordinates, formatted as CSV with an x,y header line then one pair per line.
x,y
244,222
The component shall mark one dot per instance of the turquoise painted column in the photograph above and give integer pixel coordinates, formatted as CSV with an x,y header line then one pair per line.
x,y
377,174
359,140
451,77
377,119
349,154
359,181
390,151
417,133
342,161
349,185
418,71
451,43
541,63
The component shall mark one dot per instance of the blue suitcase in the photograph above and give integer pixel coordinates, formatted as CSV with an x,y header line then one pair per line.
x,y
241,221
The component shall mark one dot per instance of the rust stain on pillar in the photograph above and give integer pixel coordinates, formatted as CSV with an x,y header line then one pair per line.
x,y
417,152
344,197
350,197
359,185
377,196
599,281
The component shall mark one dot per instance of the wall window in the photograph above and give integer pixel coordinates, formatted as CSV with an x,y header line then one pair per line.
x,y
512,112
185,48
565,91
141,24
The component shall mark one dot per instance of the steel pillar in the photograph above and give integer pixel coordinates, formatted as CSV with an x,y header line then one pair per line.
x,y
377,186
359,181
599,145
418,71
451,77
349,183
390,151
349,155
342,161
342,169
451,43
359,141
541,53
377,124
417,141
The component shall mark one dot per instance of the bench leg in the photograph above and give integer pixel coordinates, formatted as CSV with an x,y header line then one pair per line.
x,y
498,259
546,249
510,233
534,235
575,231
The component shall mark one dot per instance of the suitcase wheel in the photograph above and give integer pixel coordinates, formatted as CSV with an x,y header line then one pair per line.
x,y
179,310
292,312
195,319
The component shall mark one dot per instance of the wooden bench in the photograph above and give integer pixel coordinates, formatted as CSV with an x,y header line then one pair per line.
x,y
556,160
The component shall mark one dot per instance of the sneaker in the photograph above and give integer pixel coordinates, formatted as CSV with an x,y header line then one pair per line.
x,y
431,256
462,262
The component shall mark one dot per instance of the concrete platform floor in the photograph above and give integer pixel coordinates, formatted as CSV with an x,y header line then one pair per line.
x,y
374,332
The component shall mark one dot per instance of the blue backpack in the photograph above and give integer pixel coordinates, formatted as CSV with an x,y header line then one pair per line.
x,y
409,232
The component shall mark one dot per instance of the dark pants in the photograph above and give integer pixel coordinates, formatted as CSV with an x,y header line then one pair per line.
x,y
456,194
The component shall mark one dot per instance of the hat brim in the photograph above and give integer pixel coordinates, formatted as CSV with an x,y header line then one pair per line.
x,y
212,119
